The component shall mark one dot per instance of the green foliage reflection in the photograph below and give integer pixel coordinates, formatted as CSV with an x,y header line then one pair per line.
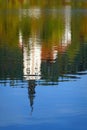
x,y
44,22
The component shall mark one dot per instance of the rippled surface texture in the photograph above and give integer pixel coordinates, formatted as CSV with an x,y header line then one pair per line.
x,y
43,65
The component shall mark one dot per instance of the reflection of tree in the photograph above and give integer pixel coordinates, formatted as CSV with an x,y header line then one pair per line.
x,y
10,63
27,3
79,4
49,30
50,71
63,65
44,3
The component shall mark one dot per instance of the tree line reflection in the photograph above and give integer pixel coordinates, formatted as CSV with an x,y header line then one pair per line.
x,y
45,46
46,3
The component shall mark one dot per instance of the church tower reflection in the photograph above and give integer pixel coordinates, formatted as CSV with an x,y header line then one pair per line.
x,y
40,52
31,65
31,93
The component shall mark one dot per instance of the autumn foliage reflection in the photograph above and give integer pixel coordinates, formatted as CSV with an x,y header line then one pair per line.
x,y
41,43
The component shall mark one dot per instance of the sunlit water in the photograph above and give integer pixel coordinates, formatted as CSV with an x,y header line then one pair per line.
x,y
43,68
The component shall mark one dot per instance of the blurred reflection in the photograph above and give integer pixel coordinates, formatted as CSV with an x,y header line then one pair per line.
x,y
67,34
49,43
31,93
31,60
42,43
34,12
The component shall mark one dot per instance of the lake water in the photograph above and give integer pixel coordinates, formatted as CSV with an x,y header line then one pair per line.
x,y
43,65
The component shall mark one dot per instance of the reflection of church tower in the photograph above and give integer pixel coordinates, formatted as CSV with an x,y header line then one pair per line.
x,y
32,60
31,64
31,93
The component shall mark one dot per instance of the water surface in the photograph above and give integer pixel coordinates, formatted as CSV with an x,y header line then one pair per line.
x,y
43,65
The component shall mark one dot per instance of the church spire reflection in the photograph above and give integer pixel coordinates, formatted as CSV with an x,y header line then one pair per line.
x,y
31,93
40,50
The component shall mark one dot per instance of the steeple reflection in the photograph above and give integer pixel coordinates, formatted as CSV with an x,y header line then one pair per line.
x,y
31,93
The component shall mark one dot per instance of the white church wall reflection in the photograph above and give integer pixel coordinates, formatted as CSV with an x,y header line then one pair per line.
x,y
33,49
